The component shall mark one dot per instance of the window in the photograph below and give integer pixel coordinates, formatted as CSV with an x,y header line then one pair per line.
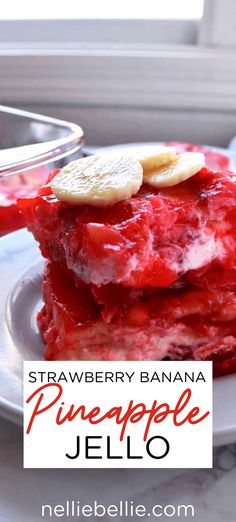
x,y
124,21
129,64
218,29
184,9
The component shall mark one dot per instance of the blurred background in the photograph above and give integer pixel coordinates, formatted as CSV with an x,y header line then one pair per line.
x,y
125,71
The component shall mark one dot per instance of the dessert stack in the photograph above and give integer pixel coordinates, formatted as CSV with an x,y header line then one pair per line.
x,y
140,252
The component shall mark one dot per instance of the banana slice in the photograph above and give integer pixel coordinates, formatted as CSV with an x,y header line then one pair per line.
x,y
150,156
98,180
183,167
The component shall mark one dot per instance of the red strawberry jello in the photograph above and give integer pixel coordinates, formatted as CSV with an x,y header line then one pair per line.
x,y
154,239
185,324
152,276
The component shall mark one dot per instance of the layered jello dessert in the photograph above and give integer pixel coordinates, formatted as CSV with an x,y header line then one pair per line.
x,y
140,255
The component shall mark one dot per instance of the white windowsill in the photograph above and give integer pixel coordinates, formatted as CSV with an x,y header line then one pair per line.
x,y
113,31
186,77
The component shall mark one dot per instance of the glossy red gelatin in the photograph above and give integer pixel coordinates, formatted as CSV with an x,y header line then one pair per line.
x,y
156,239
146,279
189,323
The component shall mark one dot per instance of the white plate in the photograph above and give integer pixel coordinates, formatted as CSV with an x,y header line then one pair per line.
x,y
20,282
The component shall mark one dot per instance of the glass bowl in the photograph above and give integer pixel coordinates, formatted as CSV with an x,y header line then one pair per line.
x,y
53,143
